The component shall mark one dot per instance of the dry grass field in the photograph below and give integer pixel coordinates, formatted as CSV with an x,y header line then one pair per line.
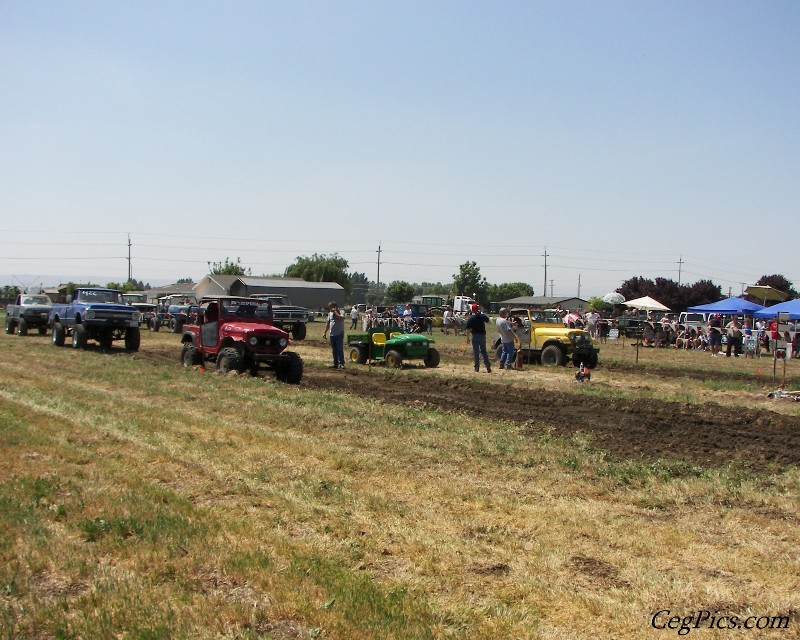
x,y
139,499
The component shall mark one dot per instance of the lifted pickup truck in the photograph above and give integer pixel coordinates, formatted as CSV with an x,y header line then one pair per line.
x,y
27,312
95,314
287,316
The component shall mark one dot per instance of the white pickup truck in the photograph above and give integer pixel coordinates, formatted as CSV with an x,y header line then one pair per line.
x,y
28,312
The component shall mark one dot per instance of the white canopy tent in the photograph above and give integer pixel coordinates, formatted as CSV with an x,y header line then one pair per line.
x,y
647,304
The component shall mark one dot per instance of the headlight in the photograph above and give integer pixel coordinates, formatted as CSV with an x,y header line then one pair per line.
x,y
253,341
135,316
283,342
573,337
89,314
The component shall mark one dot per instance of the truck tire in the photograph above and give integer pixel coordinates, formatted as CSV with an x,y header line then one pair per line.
x,y
229,360
133,339
593,360
292,371
58,335
9,325
433,358
106,340
552,356
22,327
178,328
154,325
393,359
190,356
358,354
498,351
79,337
299,331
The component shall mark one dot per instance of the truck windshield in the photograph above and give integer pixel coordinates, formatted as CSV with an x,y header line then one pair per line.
x,y
90,295
246,308
36,300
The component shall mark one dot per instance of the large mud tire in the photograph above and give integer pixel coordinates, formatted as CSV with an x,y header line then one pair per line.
x,y
22,327
79,337
358,354
58,336
292,371
106,340
299,331
190,356
9,325
393,359
154,325
133,338
552,356
433,358
229,360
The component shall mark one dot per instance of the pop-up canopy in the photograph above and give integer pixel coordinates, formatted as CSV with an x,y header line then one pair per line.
x,y
729,306
790,306
647,304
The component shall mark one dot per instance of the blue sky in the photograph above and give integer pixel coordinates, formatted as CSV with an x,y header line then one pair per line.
x,y
622,136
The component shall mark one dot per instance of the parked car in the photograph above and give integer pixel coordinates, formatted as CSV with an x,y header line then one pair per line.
x,y
29,311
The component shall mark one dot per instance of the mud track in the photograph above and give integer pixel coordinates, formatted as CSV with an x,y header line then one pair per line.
x,y
645,430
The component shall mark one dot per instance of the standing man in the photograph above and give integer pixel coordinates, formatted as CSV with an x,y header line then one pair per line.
x,y
715,335
353,317
446,321
734,338
476,325
335,328
506,339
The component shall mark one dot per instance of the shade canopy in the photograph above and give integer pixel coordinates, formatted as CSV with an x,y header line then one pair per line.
x,y
647,303
615,297
765,292
729,306
790,306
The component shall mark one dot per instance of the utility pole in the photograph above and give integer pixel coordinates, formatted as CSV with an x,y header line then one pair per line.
x,y
680,265
544,289
579,285
130,277
551,288
380,299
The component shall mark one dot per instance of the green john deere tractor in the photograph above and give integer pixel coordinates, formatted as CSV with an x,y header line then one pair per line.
x,y
392,346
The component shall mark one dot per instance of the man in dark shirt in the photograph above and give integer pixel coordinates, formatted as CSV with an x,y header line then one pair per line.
x,y
715,335
476,328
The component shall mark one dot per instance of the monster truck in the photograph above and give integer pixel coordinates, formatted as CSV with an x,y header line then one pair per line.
x,y
287,316
545,340
392,346
95,314
239,335
28,312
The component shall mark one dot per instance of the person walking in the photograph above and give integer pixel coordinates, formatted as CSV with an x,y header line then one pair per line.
x,y
506,340
476,328
715,335
335,328
353,317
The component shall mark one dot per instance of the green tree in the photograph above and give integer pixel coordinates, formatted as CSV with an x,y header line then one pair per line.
x,y
508,290
184,280
359,287
469,282
321,268
399,291
228,268
599,305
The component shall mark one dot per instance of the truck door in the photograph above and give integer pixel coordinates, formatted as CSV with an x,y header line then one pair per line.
x,y
210,327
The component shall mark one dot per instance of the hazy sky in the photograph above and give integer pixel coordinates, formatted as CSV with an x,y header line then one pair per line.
x,y
623,136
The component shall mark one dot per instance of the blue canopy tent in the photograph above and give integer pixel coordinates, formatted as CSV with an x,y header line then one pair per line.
x,y
728,307
792,306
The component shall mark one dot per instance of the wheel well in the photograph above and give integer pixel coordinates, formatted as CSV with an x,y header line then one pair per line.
x,y
554,343
230,342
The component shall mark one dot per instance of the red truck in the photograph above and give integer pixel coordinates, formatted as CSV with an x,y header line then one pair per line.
x,y
239,335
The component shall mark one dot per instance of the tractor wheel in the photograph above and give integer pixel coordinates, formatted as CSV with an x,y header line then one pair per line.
x,y
154,324
358,355
79,337
292,371
178,327
433,358
299,331
58,335
133,339
552,356
190,356
22,327
172,324
393,359
229,360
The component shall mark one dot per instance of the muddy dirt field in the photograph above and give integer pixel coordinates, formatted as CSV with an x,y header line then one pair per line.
x,y
644,430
